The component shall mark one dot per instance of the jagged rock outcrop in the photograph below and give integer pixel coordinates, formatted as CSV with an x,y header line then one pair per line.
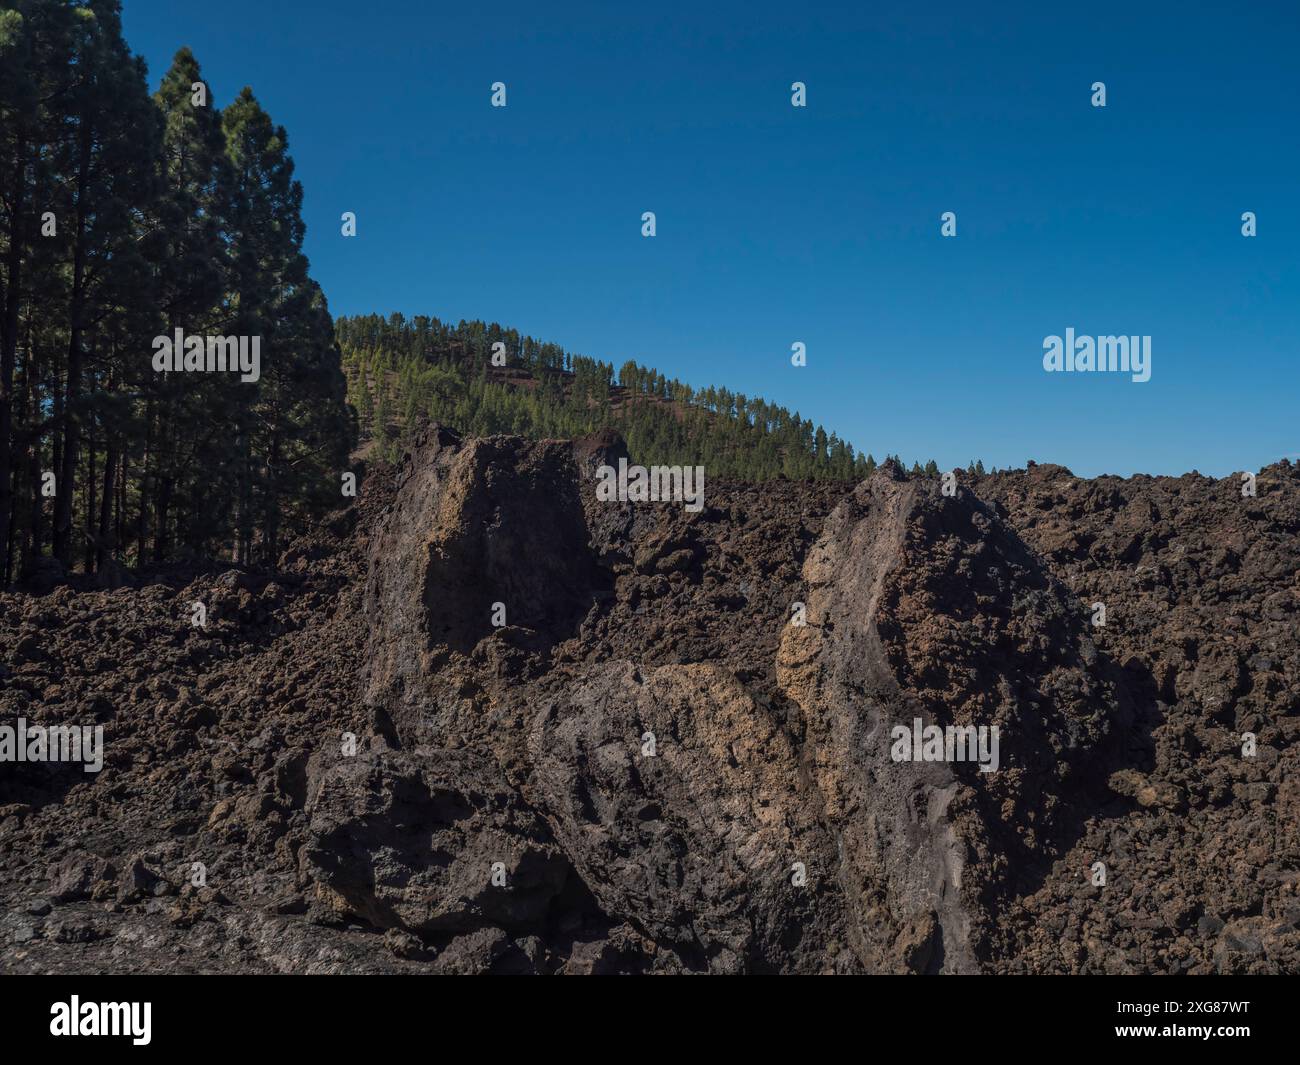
x,y
523,745
473,523
611,523
601,448
926,606
681,803
430,841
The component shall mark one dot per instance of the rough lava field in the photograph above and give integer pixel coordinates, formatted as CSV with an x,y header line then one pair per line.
x,y
521,747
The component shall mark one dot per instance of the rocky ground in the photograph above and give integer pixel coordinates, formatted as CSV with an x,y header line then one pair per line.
x,y
673,755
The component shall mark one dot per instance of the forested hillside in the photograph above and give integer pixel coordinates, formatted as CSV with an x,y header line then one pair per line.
x,y
401,371
128,219
123,218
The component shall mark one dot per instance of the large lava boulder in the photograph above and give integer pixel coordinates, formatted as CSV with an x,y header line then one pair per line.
x,y
680,802
474,524
429,841
927,606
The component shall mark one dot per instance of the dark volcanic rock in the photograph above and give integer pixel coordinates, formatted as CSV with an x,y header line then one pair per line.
x,y
928,607
429,842
473,524
601,448
78,876
681,804
349,747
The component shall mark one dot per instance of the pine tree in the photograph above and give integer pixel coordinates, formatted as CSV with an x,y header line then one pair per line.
x,y
121,218
662,419
105,154
193,278
34,43
273,300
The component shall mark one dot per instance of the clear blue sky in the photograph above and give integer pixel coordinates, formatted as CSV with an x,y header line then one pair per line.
x,y
821,224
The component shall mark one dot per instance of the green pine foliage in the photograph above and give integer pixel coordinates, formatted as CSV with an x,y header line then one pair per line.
x,y
124,217
401,372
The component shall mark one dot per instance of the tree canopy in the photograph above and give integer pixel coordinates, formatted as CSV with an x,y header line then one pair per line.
x,y
401,371
124,217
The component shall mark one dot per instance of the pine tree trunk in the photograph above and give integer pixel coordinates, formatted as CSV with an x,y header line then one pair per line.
x,y
271,549
119,537
9,349
105,541
32,407
72,419
142,522
162,519
163,480
67,482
